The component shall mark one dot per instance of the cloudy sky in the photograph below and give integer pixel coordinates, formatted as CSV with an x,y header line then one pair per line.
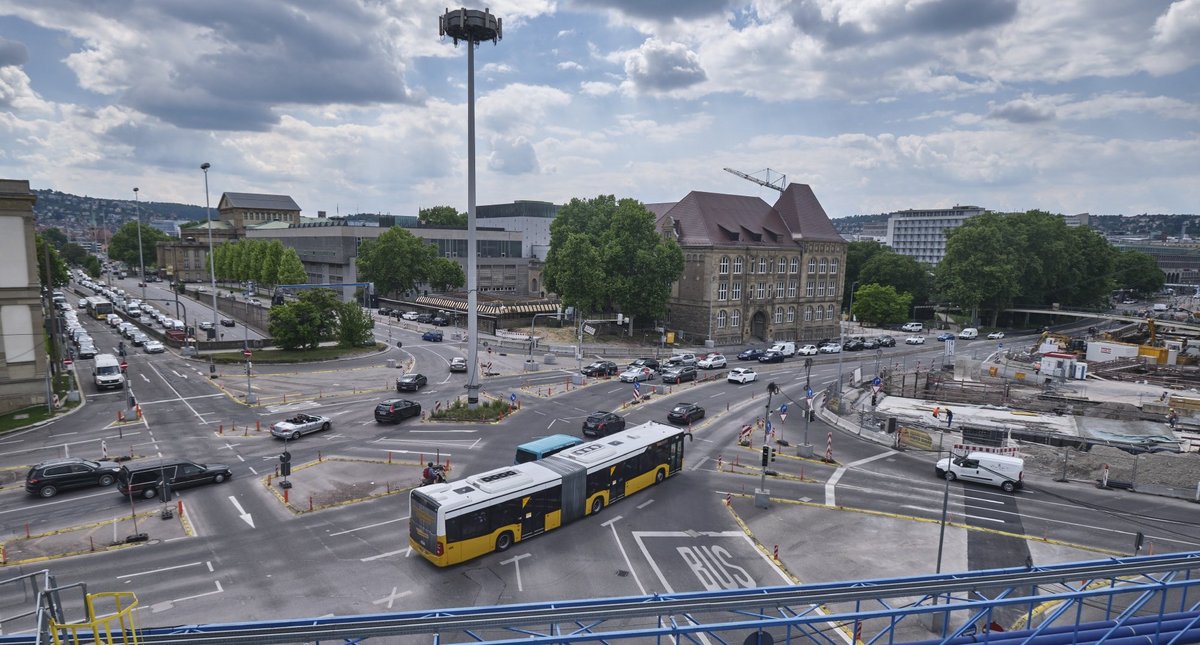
x,y
358,105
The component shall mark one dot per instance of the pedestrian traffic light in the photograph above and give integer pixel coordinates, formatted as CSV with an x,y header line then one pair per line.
x,y
766,456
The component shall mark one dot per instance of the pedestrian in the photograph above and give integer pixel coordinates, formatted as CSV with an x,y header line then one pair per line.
x,y
1163,396
949,417
1172,418
936,412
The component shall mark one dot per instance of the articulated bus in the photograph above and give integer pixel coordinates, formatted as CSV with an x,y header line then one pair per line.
x,y
98,307
460,520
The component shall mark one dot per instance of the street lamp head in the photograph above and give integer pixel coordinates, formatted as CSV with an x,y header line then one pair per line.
x,y
135,189
205,166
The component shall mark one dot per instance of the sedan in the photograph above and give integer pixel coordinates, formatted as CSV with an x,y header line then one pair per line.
x,y
807,350
87,350
411,382
206,325
742,375
602,423
301,424
943,337
635,374
679,374
771,356
711,362
751,354
996,335
685,413
396,410
854,345
409,315
153,347
600,368
914,340
226,322
887,341
830,348
439,321
458,364
139,339
433,336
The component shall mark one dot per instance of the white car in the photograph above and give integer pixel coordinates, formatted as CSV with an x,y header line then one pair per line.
x,y
635,374
996,335
153,347
830,348
742,375
409,315
808,350
711,362
83,303
914,340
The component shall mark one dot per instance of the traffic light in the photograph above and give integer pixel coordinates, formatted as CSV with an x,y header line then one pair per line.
x,y
766,456
772,453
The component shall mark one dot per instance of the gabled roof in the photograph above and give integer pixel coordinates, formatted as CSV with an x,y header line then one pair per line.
x,y
258,201
800,210
717,219
660,208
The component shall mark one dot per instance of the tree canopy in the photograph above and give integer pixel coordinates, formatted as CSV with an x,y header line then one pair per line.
x,y
124,243
903,273
59,275
317,315
881,304
397,261
1138,272
606,255
441,216
267,262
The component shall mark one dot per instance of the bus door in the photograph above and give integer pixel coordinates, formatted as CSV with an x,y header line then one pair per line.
x,y
533,513
616,483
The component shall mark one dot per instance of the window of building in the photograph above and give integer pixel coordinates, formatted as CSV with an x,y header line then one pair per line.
x,y
829,312
824,266
821,289
832,288
736,291
723,268
833,266
792,286
750,265
762,265
782,268
812,265
779,289
722,319
735,318
795,265
808,314
779,315
762,290
820,313
809,288
791,314
722,291
737,265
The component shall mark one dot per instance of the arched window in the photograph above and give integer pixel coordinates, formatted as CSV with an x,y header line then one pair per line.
x,y
724,266
722,319
808,314
820,313
778,315
791,314
824,265
762,265
833,265
735,318
829,312
795,265
737,265
782,267
812,265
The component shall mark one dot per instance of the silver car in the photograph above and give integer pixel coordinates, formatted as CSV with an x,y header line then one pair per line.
x,y
635,374
300,424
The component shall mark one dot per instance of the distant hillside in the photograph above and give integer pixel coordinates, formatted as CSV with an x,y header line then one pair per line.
x,y
75,214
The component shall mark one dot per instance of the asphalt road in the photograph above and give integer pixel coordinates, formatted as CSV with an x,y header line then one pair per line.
x,y
253,559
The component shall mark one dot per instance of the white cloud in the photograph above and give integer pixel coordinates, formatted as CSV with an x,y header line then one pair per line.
x,y
514,156
663,67
496,68
597,88
519,107
570,65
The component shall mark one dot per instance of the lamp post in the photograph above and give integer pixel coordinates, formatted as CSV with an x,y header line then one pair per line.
x,y
141,258
212,267
806,448
842,340
532,329
472,26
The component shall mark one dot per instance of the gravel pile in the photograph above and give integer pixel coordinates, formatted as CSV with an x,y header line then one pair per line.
x,y
1176,471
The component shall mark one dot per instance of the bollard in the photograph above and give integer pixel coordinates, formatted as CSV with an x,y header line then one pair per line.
x,y
776,553
389,487
179,508
310,503
1104,477
729,499
720,460
221,429
389,456
27,530
727,406
285,398
139,410
319,458
737,460
3,554
258,425
120,416
246,430
91,544
285,496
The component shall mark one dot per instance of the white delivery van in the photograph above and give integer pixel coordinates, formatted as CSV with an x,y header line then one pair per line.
x,y
106,372
969,333
913,327
787,348
1160,307
984,467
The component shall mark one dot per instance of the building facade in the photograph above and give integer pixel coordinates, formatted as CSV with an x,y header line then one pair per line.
x,y
921,234
24,357
531,218
247,210
754,272
186,259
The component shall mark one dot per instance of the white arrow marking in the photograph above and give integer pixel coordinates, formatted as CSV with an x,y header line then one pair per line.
x,y
241,513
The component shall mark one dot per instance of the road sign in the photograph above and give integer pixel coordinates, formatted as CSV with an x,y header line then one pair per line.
x,y
67,362
877,381
124,365
637,387
590,330
783,409
247,353
808,393
512,398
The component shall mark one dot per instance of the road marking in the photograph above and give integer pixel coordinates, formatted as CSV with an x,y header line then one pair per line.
x,y
611,524
647,502
830,499
516,562
183,400
444,431
369,526
615,391
391,598
190,398
144,377
552,424
200,595
146,573
383,555
722,393
241,513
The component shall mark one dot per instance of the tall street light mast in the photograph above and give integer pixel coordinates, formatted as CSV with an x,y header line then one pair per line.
x,y
212,268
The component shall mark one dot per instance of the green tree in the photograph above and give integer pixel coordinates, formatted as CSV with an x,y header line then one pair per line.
x,y
445,274
397,261
982,265
442,216
73,253
268,274
59,275
55,236
124,243
356,327
1138,271
1095,267
328,305
902,272
91,264
291,269
245,260
857,255
881,304
295,325
606,254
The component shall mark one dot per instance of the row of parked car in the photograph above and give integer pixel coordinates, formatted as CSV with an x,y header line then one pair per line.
x,y
428,319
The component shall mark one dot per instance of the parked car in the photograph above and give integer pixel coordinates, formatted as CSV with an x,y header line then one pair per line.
x,y
87,350
385,311
945,336
396,410
871,343
996,335
601,424
145,478
424,318
600,368
153,347
411,382
914,340
742,375
139,338
49,477
635,374
771,356
433,336
679,374
439,321
683,359
300,424
206,325
652,363
830,348
854,345
807,350
458,364
887,341
751,354
409,315
711,362
685,413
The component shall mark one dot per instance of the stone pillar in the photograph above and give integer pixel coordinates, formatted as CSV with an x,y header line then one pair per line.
x,y
24,362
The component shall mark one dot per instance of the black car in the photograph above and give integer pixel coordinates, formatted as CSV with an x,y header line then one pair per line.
x,y
679,374
49,477
600,368
411,382
424,318
226,322
751,354
886,341
853,345
145,478
685,413
385,311
600,424
439,321
652,363
396,410
871,343
771,357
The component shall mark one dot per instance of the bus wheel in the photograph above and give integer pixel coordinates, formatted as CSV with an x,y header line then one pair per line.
x,y
597,504
659,476
503,541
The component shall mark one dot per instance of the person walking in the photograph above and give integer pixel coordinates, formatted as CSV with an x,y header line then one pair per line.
x,y
949,417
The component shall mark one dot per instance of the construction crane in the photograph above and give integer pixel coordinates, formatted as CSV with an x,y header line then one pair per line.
x,y
779,183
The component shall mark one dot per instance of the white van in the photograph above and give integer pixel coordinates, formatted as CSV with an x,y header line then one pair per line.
x,y
787,348
1160,307
913,327
969,333
106,372
985,468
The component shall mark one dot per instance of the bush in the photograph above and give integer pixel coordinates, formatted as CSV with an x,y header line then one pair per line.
x,y
459,411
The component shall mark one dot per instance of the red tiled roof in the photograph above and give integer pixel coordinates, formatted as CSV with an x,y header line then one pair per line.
x,y
717,219
800,210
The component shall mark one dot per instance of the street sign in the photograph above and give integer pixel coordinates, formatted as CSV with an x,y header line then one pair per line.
x,y
589,330
808,393
512,398
124,365
247,353
67,362
877,381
